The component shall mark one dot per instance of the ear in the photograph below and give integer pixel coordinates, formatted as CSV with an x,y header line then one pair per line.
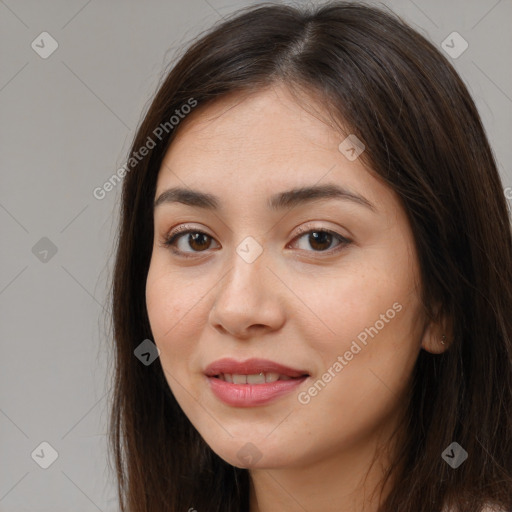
x,y
432,339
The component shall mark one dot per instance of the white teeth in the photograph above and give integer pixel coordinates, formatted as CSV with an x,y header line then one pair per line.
x,y
259,378
256,379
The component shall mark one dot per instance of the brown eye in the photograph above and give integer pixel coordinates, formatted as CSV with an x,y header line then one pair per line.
x,y
198,241
321,240
189,241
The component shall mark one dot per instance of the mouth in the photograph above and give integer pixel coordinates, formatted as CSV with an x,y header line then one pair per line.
x,y
252,371
253,382
257,378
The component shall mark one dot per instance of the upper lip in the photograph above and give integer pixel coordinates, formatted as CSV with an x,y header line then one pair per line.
x,y
250,367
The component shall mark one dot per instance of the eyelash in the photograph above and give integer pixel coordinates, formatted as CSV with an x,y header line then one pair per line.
x,y
171,239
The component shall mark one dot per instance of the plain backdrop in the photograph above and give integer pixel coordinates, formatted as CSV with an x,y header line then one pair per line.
x,y
66,123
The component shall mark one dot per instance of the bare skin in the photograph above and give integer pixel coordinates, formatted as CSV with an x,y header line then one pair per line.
x,y
300,303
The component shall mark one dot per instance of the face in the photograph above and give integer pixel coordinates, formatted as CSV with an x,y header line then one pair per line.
x,y
322,283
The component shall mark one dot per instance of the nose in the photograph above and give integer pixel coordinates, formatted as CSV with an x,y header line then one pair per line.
x,y
248,300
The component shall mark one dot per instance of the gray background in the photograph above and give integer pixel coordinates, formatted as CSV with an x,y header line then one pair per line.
x,y
66,125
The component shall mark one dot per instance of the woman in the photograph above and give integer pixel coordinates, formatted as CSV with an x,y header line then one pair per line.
x,y
315,236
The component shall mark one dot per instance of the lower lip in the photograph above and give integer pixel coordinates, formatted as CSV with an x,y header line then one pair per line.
x,y
251,395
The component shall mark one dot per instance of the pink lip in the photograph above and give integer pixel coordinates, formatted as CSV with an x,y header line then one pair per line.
x,y
251,395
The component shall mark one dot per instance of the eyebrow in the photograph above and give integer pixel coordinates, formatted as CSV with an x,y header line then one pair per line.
x,y
279,201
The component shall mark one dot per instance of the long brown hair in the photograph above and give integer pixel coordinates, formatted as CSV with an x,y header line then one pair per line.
x,y
396,92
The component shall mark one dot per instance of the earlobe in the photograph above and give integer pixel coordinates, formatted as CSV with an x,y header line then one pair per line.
x,y
438,330
436,338
435,344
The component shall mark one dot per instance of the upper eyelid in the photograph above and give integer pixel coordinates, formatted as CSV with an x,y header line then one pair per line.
x,y
185,229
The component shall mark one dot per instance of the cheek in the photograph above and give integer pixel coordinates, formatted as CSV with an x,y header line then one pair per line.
x,y
337,310
370,321
161,304
172,306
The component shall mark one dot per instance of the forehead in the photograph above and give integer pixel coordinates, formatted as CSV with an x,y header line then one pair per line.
x,y
261,142
266,123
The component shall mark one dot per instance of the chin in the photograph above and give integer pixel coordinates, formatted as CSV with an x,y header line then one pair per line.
x,y
247,454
